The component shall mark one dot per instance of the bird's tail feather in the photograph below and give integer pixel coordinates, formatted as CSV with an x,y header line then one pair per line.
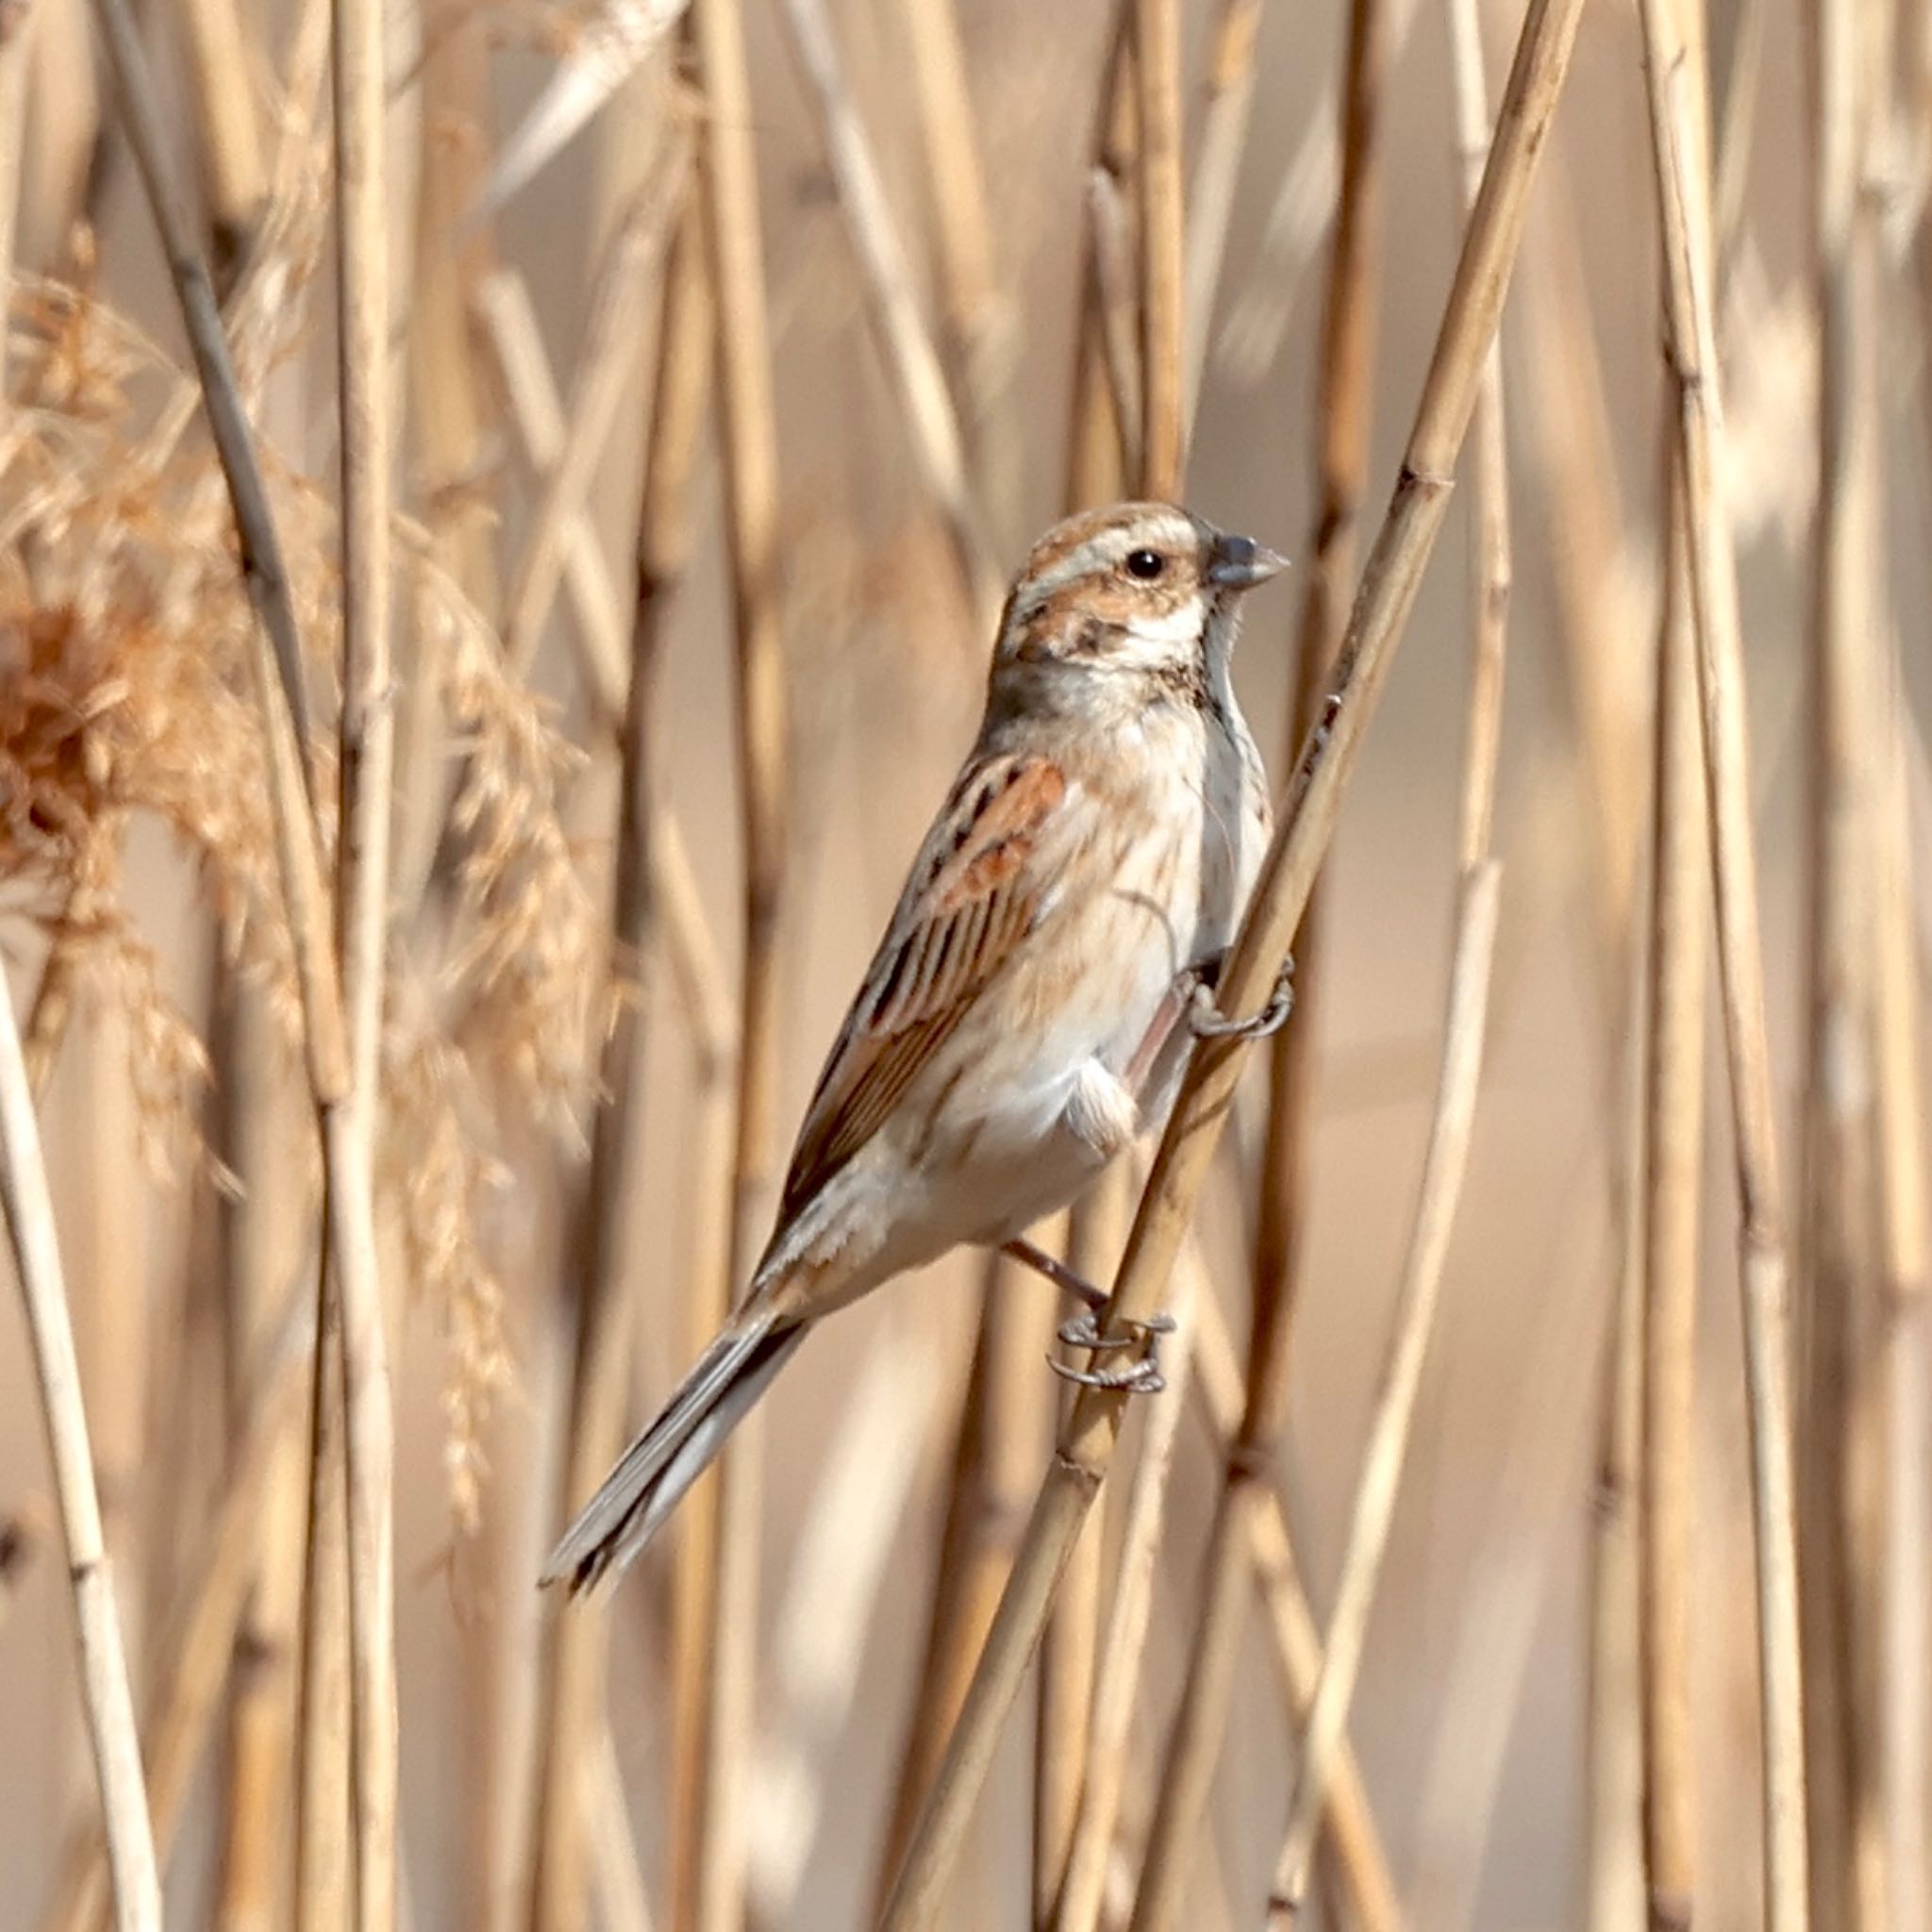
x,y
673,1452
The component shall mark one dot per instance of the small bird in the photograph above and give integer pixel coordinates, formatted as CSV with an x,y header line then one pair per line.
x,y
1028,1012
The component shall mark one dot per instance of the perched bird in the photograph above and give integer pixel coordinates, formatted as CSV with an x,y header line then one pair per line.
x,y
1028,1013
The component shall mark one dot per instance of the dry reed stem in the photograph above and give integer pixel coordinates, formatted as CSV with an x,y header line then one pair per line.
x,y
605,368
1083,1864
365,751
979,339
1682,206
16,56
1224,113
262,568
447,419
91,1578
1674,1183
748,431
1116,313
197,1643
1841,1317
853,1530
1289,1624
1381,609
1907,1254
887,278
1162,203
234,174
1343,419
621,1896
574,1692
1096,1230
1375,1493
251,1139
999,1428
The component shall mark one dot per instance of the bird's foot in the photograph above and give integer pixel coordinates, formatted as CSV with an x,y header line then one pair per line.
x,y
1140,1377
1208,1022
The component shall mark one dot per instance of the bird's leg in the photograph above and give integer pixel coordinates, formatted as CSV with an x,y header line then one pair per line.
x,y
1208,1022
1140,1377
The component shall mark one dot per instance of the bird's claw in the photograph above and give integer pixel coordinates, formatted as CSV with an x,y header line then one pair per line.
x,y
1208,1022
1142,1376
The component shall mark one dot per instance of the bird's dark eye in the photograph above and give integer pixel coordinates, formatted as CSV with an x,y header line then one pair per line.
x,y
1145,564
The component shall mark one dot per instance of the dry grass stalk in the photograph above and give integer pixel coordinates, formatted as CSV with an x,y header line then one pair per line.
x,y
1673,1182
196,1644
234,174
846,1547
979,339
606,359
1374,1506
252,1141
57,1373
16,52
574,1692
365,754
1683,218
1157,74
1908,1276
744,365
1096,1228
937,442
1841,1314
1343,454
999,1427
1380,612
262,566
1230,94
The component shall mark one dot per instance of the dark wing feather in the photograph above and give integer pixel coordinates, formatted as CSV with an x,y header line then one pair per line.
x,y
973,895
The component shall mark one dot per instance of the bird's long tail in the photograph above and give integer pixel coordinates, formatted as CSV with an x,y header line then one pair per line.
x,y
637,1497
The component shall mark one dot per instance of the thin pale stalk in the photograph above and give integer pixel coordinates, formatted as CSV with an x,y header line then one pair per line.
x,y
852,1531
1082,1865
262,568
998,1430
16,56
1839,1309
1375,1506
192,1655
1224,114
109,1708
234,176
572,1714
605,370
1381,611
743,363
1342,452
1096,1228
1158,73
1908,1720
1673,1181
365,751
1696,411
887,279
979,336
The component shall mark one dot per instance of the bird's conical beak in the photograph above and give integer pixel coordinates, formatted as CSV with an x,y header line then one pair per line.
x,y
1239,563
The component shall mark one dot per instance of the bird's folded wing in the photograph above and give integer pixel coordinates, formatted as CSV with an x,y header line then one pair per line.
x,y
975,890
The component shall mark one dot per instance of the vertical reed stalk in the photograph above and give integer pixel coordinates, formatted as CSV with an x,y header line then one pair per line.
x,y
729,186
234,175
1683,207
573,1712
1841,1385
1381,610
1673,1178
1342,452
30,1231
1158,73
365,747
16,54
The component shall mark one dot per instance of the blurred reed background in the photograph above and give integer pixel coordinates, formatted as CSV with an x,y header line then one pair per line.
x,y
631,412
